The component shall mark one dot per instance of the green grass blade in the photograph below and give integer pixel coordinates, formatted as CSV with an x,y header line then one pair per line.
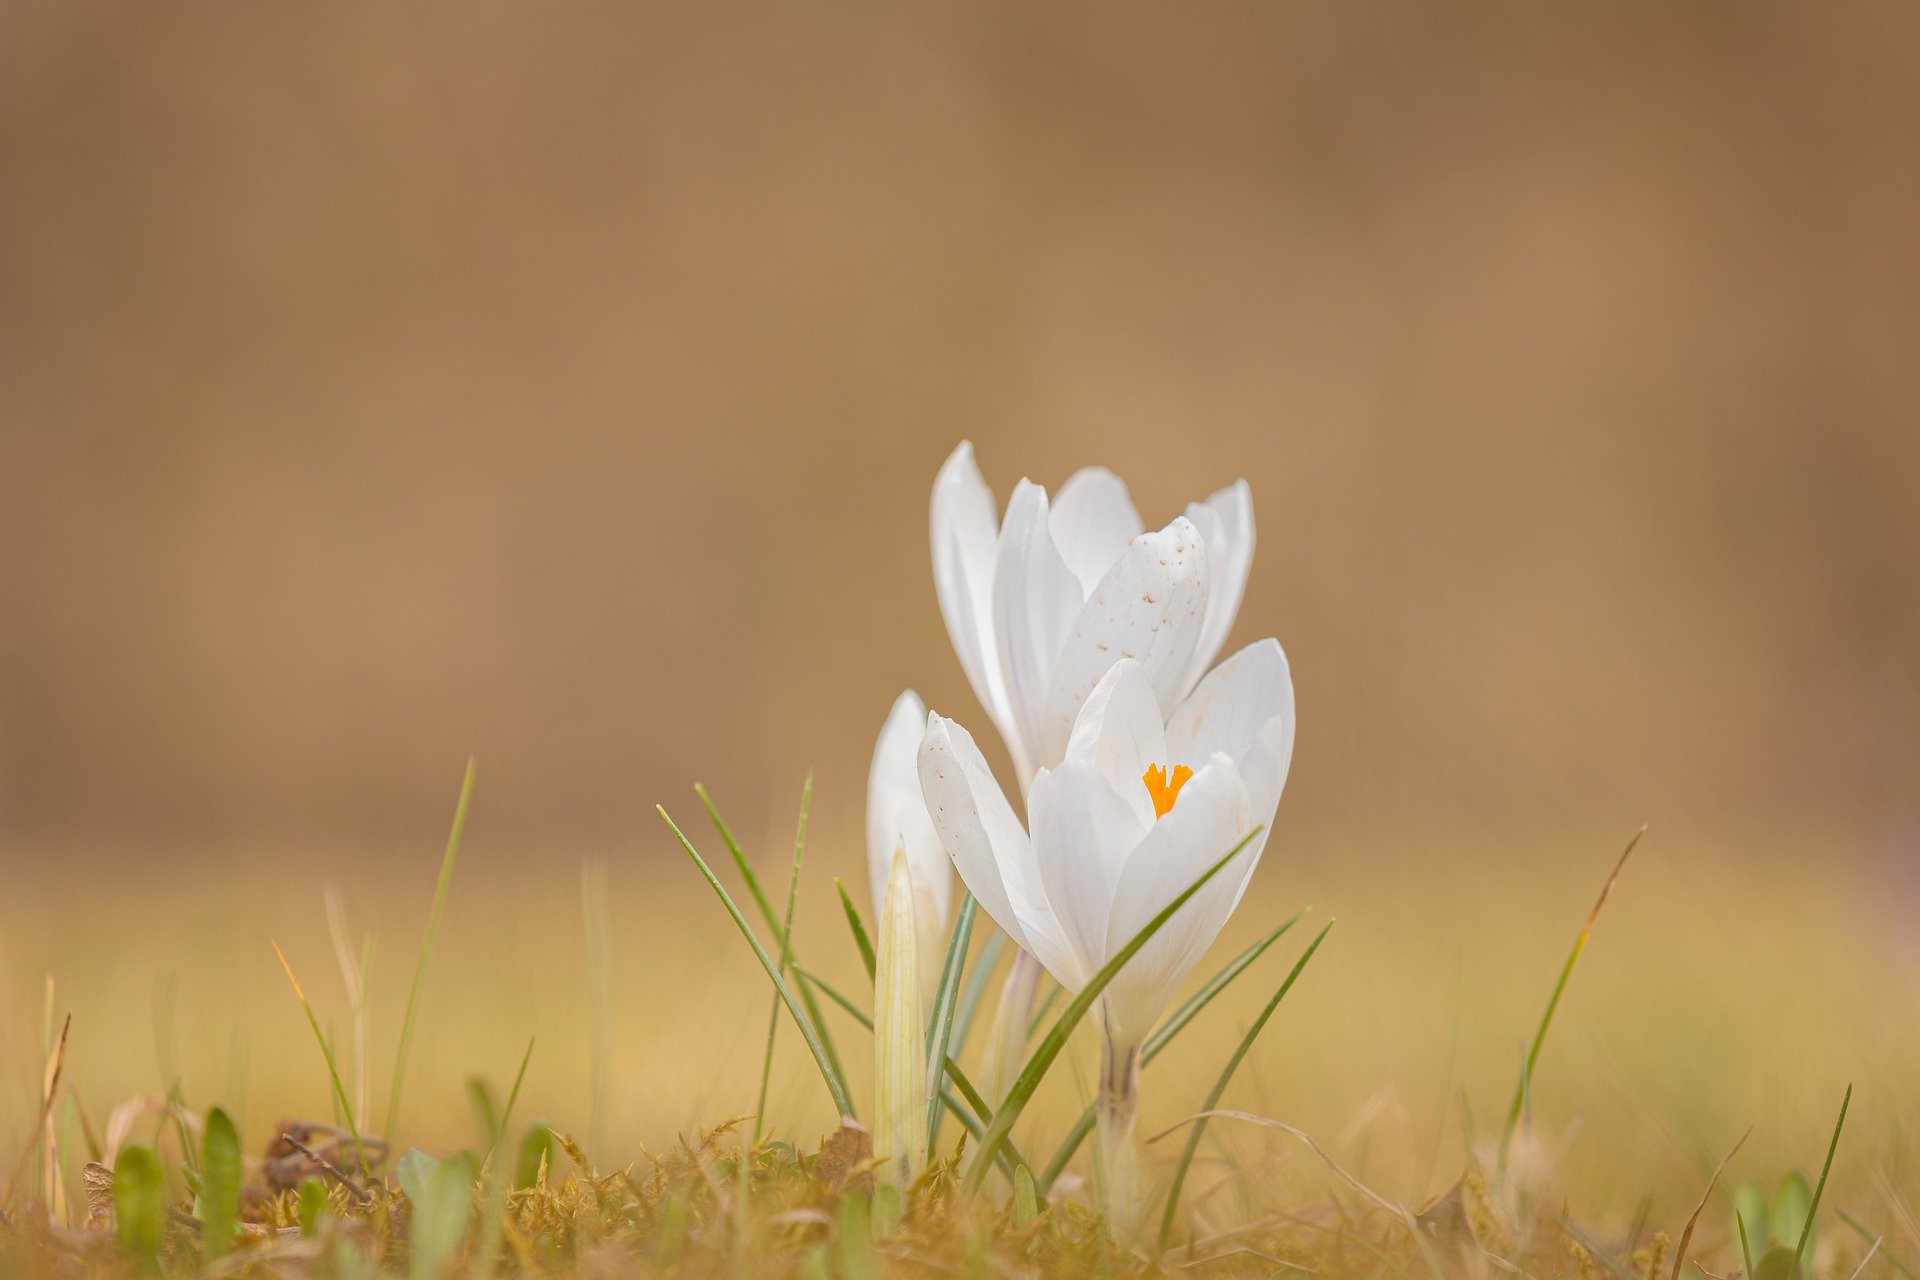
x,y
139,1204
975,990
783,937
513,1094
835,1086
440,889
1220,1085
1522,1089
739,856
861,939
1746,1250
1049,1049
333,1068
1820,1187
1164,1035
1040,1010
774,925
940,1021
221,1176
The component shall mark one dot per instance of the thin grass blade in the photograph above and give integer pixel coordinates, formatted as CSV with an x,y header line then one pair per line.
x,y
1226,1074
440,890
1522,1089
836,1087
861,939
333,1068
1163,1036
1820,1187
940,1020
975,990
1049,1048
783,937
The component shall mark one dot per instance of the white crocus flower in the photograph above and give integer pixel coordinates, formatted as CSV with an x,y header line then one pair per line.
x,y
1041,603
897,819
1138,809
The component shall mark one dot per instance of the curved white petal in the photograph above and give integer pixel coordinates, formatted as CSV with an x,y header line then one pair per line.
x,y
1150,607
1232,704
965,528
1118,733
1035,600
988,845
897,812
1083,832
1210,817
1225,521
1093,520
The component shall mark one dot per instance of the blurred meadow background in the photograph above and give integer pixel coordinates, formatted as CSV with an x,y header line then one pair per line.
x,y
564,386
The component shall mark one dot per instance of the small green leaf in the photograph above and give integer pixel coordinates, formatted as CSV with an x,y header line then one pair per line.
x,y
441,1212
221,1176
670,1237
415,1171
536,1153
311,1208
1792,1206
486,1114
139,1204
888,1209
1750,1213
854,1240
1026,1202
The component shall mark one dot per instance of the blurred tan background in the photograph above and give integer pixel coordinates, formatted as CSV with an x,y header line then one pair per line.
x,y
564,385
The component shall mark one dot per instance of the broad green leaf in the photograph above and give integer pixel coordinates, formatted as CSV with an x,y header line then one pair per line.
x,y
221,1176
414,1171
536,1153
1026,1202
311,1205
441,1215
139,1204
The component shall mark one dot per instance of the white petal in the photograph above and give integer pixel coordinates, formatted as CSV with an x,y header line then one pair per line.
x,y
1210,817
1150,607
1225,521
965,527
1035,600
988,845
1232,704
1083,833
1118,733
897,812
1092,520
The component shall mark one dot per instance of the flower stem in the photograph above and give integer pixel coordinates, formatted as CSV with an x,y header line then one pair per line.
x,y
1116,1185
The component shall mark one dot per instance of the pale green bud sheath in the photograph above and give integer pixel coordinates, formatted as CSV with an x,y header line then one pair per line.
x,y
899,1033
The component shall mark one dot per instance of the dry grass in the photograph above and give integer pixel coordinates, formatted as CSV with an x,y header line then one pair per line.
x,y
1727,985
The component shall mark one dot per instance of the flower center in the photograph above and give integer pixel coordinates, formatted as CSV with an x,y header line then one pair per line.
x,y
1164,784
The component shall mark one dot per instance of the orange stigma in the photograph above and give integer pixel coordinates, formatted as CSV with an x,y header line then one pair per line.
x,y
1164,786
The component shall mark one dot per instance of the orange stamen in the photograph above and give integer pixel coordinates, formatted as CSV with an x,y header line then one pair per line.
x,y
1164,789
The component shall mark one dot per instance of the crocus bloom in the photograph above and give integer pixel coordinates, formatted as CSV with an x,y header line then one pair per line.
x,y
1139,808
897,819
1041,603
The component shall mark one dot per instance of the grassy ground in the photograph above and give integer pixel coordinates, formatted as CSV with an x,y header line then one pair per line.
x,y
1729,984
